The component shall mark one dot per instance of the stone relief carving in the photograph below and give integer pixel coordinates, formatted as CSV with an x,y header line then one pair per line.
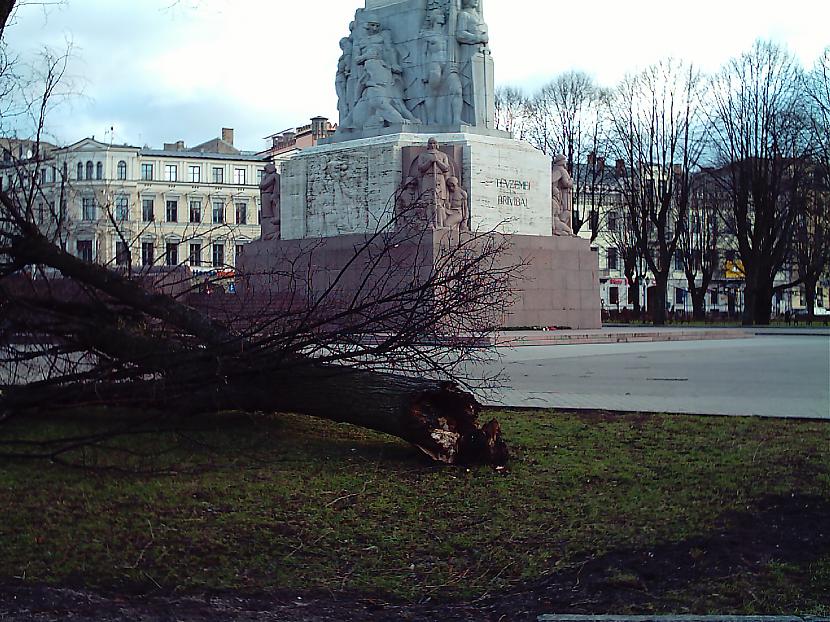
x,y
423,62
269,192
561,197
336,193
432,184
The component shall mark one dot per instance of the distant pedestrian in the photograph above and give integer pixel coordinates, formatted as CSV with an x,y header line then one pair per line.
x,y
788,317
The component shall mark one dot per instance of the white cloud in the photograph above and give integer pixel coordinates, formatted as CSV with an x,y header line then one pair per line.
x,y
158,70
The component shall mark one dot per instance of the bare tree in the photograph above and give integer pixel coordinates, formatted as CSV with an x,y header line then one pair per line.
x,y
622,237
811,239
567,116
657,134
758,131
699,241
511,111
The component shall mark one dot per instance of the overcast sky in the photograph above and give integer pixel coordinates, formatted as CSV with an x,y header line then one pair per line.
x,y
160,70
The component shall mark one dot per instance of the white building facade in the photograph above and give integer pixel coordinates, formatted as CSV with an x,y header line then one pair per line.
x,y
124,205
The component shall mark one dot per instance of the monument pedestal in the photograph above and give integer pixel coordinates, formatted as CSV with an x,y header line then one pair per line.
x,y
350,188
559,287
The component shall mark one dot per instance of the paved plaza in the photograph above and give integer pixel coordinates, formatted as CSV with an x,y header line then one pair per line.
x,y
766,375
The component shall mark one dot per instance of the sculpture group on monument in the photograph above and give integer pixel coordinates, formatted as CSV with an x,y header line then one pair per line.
x,y
428,73
417,148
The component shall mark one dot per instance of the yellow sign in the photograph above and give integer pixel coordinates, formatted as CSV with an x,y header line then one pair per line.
x,y
735,269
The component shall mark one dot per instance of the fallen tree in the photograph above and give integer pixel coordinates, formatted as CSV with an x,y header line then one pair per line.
x,y
82,334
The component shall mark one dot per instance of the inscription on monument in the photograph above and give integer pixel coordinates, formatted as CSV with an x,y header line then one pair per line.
x,y
511,192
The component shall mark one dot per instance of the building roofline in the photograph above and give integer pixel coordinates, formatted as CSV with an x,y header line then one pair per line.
x,y
248,156
97,143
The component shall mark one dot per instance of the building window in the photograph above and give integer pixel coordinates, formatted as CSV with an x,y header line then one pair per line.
x,y
122,170
194,174
44,176
218,212
679,296
678,261
632,295
171,172
241,213
84,248
122,208
147,172
99,171
147,210
218,175
240,248
260,175
195,211
239,176
172,211
196,255
612,221
122,254
615,296
80,171
88,208
218,255
89,170
172,254
147,254
613,264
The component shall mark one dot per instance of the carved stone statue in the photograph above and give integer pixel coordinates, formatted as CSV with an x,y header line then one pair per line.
x,y
456,214
432,168
473,37
561,197
269,189
437,63
428,64
379,90
472,30
409,210
344,70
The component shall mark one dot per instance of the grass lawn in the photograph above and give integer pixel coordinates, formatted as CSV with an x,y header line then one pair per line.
x,y
633,513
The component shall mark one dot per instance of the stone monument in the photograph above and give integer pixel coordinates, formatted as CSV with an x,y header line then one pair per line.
x,y
415,90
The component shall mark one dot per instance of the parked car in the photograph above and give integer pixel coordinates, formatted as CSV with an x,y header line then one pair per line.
x,y
821,312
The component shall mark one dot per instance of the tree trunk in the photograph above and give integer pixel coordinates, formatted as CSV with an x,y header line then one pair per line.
x,y
634,283
762,308
699,303
810,293
658,312
437,417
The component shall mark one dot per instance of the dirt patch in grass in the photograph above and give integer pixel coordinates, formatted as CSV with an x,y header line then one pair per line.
x,y
287,518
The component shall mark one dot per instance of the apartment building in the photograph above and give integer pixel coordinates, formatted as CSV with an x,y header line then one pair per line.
x,y
284,145
602,201
124,205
